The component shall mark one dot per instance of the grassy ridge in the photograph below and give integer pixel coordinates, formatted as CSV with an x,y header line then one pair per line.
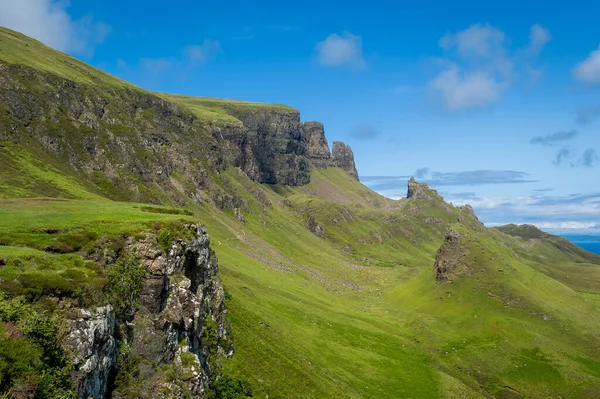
x,y
216,109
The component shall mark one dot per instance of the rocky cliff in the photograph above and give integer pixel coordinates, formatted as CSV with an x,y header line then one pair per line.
x,y
343,158
167,346
131,140
317,149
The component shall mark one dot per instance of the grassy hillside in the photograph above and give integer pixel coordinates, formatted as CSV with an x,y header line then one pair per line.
x,y
331,288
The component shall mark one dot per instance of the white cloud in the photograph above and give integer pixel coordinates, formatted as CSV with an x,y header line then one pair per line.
x,y
482,65
481,72
538,38
476,41
148,71
588,71
156,66
344,50
459,90
203,52
49,22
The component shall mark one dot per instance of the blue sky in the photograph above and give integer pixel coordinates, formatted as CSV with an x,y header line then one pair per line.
x,y
493,104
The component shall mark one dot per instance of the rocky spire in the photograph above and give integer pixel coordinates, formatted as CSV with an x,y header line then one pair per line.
x,y
415,189
343,158
421,191
317,149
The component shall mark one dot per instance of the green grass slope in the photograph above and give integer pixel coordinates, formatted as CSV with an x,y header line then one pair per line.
x,y
331,288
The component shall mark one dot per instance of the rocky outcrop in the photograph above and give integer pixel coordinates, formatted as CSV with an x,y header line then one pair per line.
x,y
343,158
94,349
449,260
314,227
421,190
317,149
468,217
175,337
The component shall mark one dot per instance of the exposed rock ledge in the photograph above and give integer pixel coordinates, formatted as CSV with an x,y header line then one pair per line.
x,y
181,314
449,260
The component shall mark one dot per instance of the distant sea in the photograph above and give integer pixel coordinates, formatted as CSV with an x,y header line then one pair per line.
x,y
590,243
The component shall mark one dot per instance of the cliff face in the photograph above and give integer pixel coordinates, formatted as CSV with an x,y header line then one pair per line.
x,y
130,139
277,142
343,158
317,149
168,342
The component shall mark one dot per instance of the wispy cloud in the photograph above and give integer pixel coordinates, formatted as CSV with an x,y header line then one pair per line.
x,y
589,158
365,131
551,139
558,212
49,22
588,71
538,38
341,50
153,68
568,156
543,190
478,177
587,114
564,155
395,186
422,173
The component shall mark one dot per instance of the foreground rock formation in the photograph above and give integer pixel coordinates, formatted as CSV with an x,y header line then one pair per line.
x,y
170,341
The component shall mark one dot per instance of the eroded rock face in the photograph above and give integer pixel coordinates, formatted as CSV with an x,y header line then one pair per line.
x,y
420,190
343,158
449,260
317,149
94,349
468,217
179,324
277,142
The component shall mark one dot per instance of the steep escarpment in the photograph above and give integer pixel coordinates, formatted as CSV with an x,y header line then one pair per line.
x,y
276,137
133,145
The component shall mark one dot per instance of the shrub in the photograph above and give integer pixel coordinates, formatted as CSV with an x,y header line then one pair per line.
x,y
31,358
165,239
229,388
125,279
